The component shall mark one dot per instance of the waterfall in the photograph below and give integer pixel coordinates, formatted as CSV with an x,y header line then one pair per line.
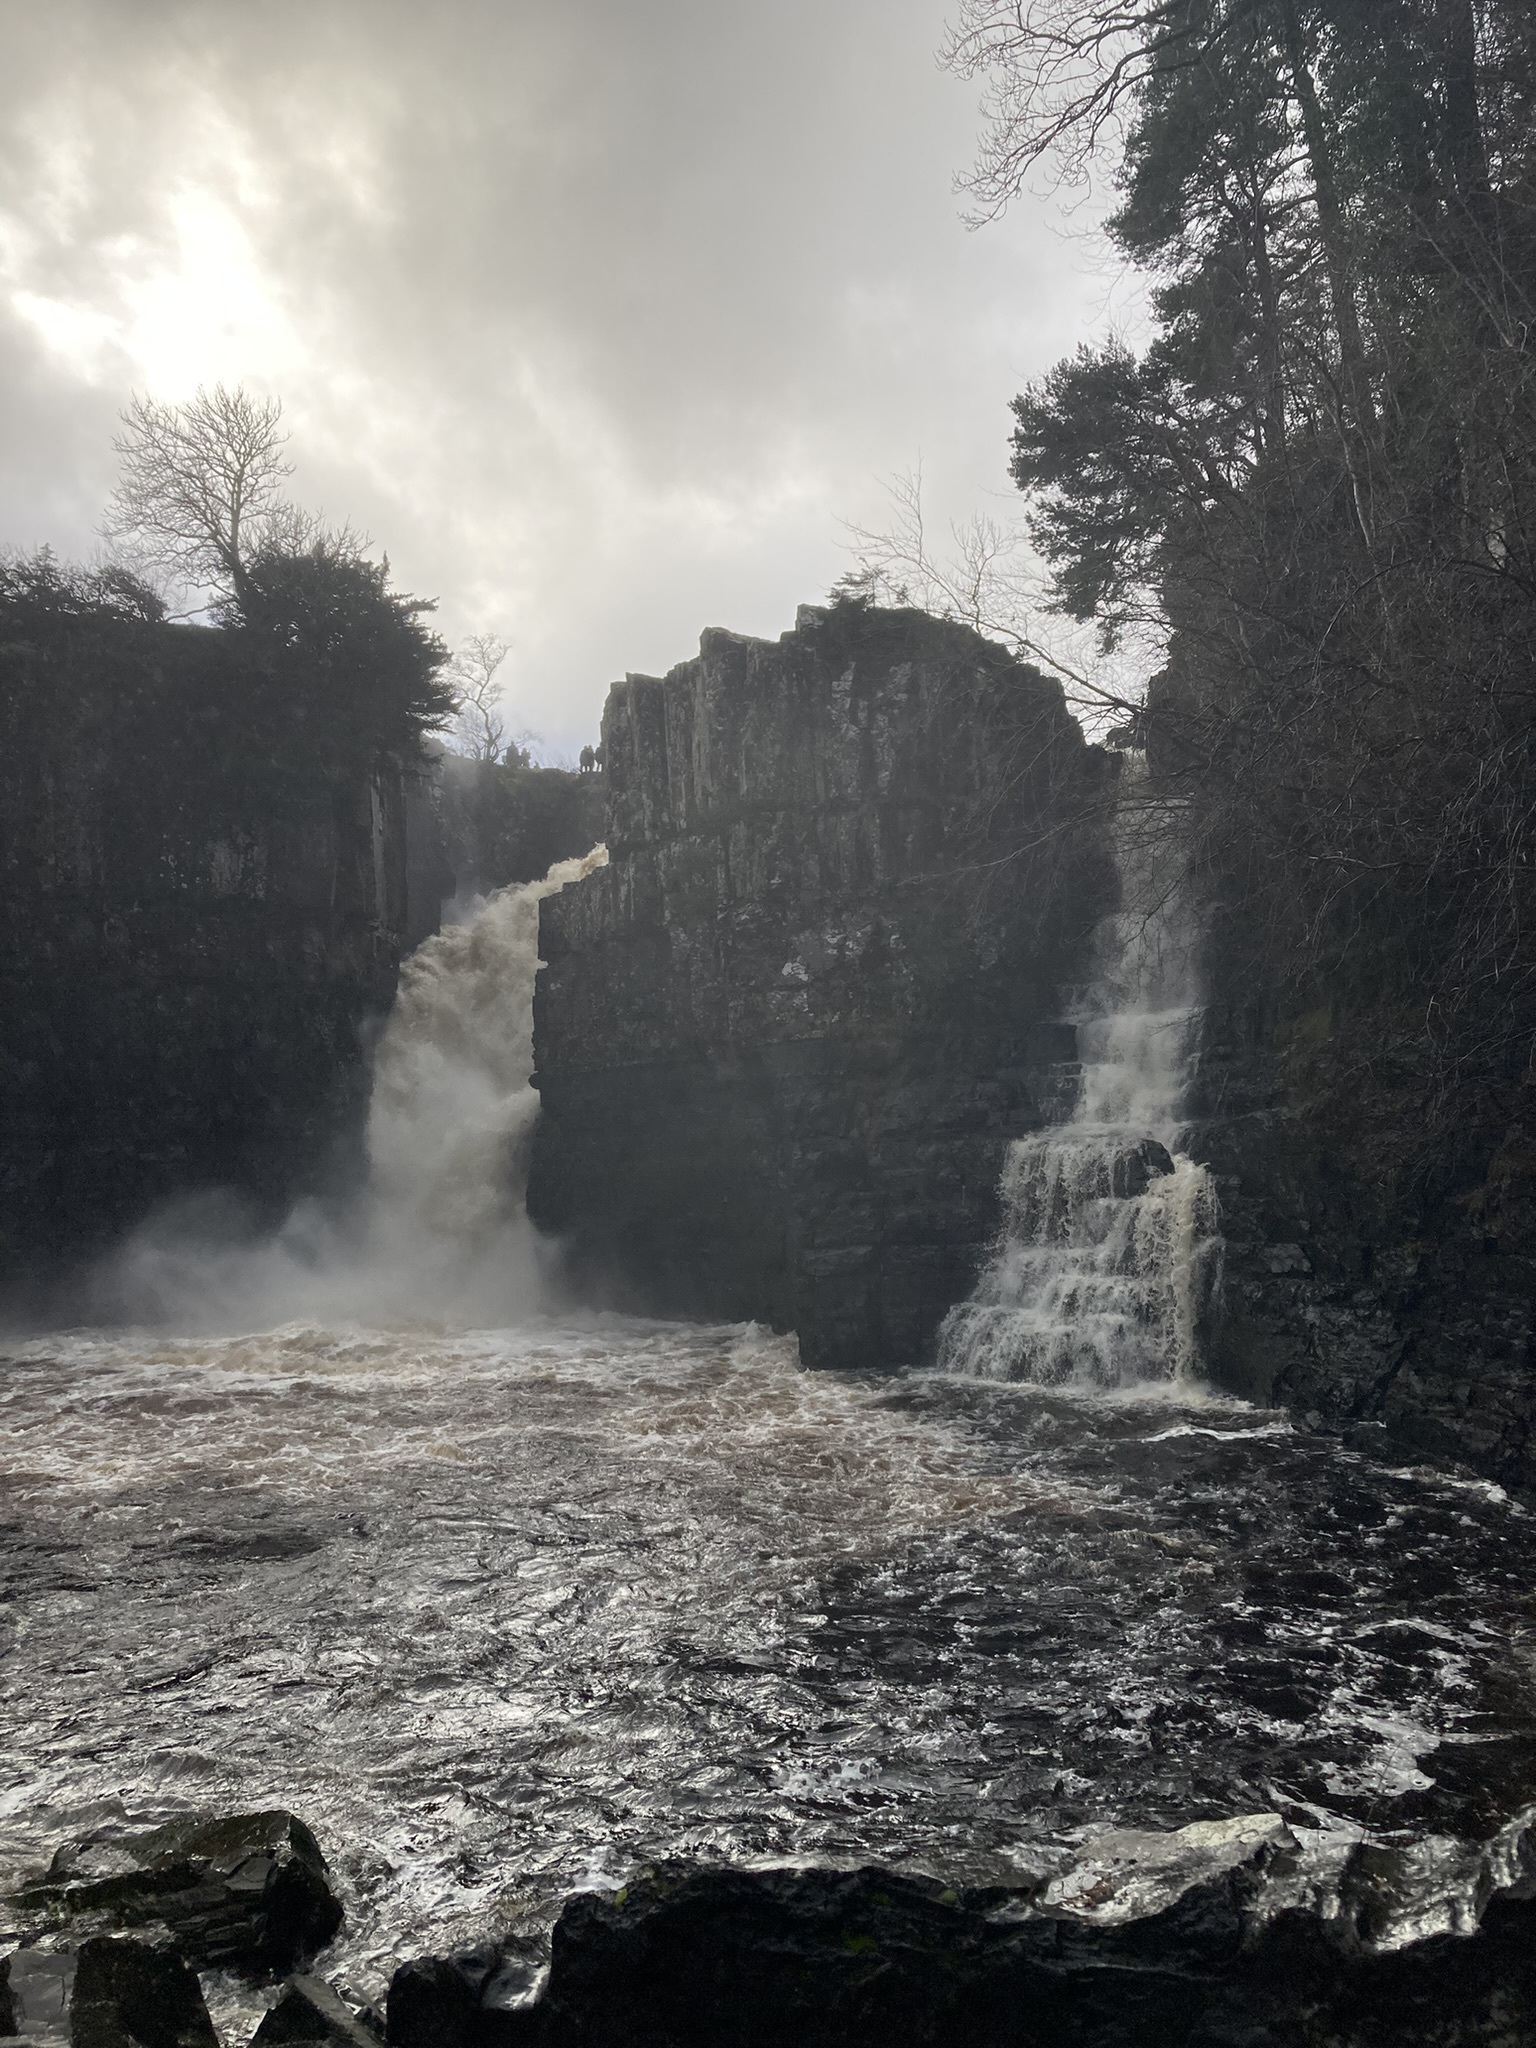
x,y
1109,1248
438,1232
452,1109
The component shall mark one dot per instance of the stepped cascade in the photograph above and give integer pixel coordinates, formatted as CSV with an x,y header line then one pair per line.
x,y
1109,1250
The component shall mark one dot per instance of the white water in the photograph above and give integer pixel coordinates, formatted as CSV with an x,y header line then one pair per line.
x,y
506,1611
1109,1247
439,1232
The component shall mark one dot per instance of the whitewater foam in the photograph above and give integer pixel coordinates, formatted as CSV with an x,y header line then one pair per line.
x,y
439,1232
1110,1244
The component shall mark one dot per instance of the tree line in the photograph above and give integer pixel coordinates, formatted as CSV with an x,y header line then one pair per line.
x,y
201,510
1314,481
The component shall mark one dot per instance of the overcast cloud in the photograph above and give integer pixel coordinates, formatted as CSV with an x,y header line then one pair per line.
x,y
598,316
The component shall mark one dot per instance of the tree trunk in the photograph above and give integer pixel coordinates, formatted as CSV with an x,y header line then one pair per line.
x,y
1330,220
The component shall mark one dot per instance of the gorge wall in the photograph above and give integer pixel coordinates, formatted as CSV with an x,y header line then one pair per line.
x,y
475,826
784,1038
1379,1280
197,921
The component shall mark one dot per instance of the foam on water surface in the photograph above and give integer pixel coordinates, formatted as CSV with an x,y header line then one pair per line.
x,y
505,1612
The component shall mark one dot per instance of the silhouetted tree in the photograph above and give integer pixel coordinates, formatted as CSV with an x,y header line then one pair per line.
x,y
349,654
200,486
480,725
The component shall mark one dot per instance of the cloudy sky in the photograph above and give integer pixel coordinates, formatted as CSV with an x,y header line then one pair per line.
x,y
599,316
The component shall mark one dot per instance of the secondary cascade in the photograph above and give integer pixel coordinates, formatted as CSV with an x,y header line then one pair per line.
x,y
1110,1247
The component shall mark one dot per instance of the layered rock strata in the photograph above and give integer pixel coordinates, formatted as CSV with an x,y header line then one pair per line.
x,y
785,1036
247,1894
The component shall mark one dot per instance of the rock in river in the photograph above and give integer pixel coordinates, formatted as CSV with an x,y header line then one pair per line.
x,y
248,1892
107,1993
309,2010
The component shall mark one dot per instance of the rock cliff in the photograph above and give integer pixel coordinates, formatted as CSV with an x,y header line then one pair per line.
x,y
197,922
1378,1281
784,1037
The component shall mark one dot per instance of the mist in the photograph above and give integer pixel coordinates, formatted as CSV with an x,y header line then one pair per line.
x,y
436,1232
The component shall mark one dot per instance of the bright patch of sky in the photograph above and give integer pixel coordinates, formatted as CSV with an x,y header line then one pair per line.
x,y
599,319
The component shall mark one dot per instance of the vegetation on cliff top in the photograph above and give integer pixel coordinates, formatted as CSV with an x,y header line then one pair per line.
x,y
320,664
1315,482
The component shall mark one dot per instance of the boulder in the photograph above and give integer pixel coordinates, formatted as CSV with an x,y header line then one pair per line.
x,y
458,2002
247,1892
1217,1935
1136,1167
308,2009
109,1992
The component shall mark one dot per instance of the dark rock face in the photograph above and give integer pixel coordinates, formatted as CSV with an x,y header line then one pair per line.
x,y
309,2010
1133,1170
867,1959
785,1036
248,1892
475,826
1358,1293
455,2002
196,924
106,1993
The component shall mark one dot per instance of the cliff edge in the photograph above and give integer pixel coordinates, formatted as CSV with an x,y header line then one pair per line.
x,y
784,1037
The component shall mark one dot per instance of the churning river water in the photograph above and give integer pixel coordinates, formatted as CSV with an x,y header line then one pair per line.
x,y
504,1603
501,1613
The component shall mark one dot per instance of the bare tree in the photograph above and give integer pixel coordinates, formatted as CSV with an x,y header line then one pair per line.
x,y
201,486
481,727
987,579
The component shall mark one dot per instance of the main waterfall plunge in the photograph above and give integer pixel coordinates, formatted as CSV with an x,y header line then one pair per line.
x,y
1109,1251
437,1232
453,1110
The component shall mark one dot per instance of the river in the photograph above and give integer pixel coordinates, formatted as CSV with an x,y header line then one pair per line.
x,y
501,1613
504,1598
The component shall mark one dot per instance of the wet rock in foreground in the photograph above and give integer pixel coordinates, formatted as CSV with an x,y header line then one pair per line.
x,y
248,1892
1221,1936
110,1992
458,2002
309,2010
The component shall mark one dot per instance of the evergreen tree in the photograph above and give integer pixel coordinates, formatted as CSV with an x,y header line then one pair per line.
x,y
1316,480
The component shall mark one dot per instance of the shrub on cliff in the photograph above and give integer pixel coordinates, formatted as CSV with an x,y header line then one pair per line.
x,y
319,665
349,657
39,590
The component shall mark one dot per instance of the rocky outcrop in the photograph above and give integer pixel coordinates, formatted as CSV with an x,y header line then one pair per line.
x,y
1219,1935
247,1892
785,1036
244,1893
198,919
106,1993
1372,1284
